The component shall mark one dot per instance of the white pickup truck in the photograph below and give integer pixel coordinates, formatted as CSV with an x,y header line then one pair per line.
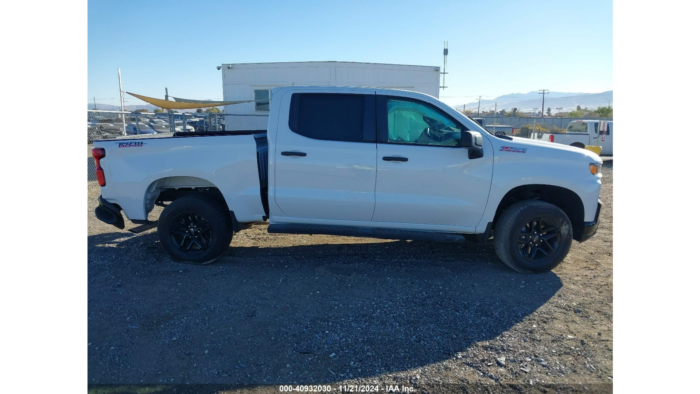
x,y
580,133
355,162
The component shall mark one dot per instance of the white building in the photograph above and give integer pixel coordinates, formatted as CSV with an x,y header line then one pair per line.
x,y
253,81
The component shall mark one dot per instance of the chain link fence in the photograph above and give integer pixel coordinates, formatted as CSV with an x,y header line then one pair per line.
x,y
233,122
106,124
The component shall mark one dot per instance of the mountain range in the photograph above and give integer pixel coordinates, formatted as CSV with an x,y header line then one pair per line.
x,y
528,101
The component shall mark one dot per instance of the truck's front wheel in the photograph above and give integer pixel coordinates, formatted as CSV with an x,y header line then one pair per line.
x,y
533,236
194,229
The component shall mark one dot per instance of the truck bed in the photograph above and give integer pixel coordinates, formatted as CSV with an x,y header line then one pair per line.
x,y
234,162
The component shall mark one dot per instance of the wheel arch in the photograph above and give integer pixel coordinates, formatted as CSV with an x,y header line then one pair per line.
x,y
566,199
174,187
578,145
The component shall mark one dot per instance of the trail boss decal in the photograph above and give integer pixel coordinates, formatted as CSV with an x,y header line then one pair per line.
x,y
131,144
513,150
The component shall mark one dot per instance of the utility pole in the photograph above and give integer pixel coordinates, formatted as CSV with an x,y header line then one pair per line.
x,y
94,103
464,108
543,92
121,99
478,111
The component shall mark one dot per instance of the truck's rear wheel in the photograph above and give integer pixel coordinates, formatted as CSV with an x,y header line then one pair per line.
x,y
533,236
195,229
578,145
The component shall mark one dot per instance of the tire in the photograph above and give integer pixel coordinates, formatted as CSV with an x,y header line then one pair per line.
x,y
195,229
533,225
578,145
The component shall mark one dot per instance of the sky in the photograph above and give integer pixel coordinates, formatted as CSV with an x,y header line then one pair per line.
x,y
495,48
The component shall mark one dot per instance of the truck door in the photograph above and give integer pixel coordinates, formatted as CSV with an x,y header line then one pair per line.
x,y
325,158
593,133
606,140
424,176
604,137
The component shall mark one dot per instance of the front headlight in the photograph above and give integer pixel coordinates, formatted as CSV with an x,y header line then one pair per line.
x,y
594,168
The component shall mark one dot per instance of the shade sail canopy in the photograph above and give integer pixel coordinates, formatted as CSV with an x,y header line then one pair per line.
x,y
182,104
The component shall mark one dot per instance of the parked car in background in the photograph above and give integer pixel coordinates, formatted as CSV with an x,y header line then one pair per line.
x,y
189,129
580,133
143,128
355,162
193,122
161,127
178,127
204,125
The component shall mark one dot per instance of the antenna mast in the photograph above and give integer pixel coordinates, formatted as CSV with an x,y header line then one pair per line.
x,y
444,65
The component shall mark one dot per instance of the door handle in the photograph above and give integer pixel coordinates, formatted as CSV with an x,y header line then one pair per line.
x,y
394,158
294,153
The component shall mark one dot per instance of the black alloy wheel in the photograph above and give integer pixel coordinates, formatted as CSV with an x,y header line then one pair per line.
x,y
195,229
537,240
191,233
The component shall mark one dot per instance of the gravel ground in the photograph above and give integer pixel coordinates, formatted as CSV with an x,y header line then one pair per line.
x,y
301,309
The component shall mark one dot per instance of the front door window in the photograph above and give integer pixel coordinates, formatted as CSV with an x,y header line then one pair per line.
x,y
410,122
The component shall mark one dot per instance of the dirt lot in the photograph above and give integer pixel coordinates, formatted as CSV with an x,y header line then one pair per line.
x,y
300,309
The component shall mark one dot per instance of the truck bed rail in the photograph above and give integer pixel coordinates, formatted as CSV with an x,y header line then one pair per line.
x,y
217,133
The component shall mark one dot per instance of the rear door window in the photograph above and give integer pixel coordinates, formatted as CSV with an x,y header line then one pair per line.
x,y
333,117
577,127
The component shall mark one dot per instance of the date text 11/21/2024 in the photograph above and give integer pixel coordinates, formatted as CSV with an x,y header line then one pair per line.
x,y
347,388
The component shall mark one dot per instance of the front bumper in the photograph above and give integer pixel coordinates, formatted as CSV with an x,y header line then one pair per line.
x,y
590,228
109,213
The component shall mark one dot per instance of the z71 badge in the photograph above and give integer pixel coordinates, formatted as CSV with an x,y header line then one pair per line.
x,y
131,144
513,150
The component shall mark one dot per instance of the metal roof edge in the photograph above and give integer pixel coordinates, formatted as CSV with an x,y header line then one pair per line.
x,y
328,61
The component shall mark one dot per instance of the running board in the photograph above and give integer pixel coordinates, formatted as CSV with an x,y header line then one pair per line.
x,y
365,232
144,227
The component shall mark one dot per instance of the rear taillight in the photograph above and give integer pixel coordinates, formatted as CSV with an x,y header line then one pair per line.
x,y
512,132
551,138
98,154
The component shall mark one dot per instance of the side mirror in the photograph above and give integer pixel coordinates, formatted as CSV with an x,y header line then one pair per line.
x,y
472,140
